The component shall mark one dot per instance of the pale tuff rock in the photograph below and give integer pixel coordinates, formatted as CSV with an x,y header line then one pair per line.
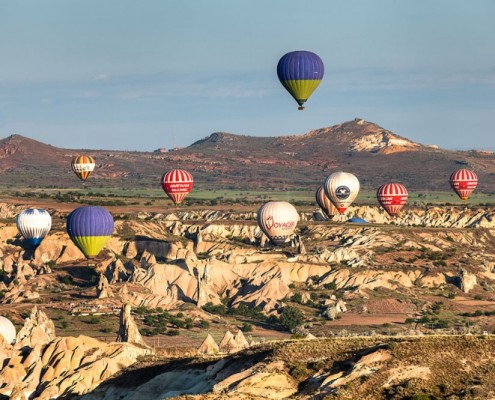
x,y
17,393
116,272
231,343
259,381
382,142
124,290
103,289
209,346
226,344
7,231
128,329
18,294
468,281
240,341
147,259
49,249
366,365
65,366
70,253
38,329
22,270
333,310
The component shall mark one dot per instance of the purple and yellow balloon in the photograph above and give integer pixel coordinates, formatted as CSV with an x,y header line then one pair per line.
x,y
300,72
90,227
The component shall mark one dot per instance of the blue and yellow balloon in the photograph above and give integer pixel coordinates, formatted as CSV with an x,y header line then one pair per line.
x,y
300,72
90,227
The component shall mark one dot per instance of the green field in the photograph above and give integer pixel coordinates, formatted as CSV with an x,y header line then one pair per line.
x,y
229,196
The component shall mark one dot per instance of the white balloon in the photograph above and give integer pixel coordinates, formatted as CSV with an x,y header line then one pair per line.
x,y
341,188
34,224
7,330
278,220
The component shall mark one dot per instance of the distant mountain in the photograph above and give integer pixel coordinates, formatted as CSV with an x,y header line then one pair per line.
x,y
224,160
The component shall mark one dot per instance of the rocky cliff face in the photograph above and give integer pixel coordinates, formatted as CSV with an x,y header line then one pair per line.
x,y
43,366
360,368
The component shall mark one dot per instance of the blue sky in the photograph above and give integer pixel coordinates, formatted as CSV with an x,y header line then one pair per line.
x,y
138,75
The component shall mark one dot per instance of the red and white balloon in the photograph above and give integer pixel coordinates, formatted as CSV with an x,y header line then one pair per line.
x,y
463,181
392,197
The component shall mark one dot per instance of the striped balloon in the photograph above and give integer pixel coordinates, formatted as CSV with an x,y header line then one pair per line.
x,y
90,227
83,166
34,224
278,220
463,181
177,184
392,197
325,204
342,189
300,72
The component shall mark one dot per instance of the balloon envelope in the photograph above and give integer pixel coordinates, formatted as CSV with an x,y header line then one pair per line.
x,y
177,184
278,220
325,204
90,227
7,330
83,166
463,181
392,197
34,224
342,189
300,72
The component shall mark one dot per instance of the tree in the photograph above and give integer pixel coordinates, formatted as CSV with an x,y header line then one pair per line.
x,y
291,317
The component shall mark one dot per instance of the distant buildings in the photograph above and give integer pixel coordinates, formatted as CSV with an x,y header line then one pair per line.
x,y
163,150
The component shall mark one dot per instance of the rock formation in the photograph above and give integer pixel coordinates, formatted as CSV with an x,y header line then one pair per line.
x,y
38,330
467,281
209,346
103,289
128,329
231,343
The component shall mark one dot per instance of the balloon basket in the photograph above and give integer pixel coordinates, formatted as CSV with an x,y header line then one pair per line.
x,y
300,108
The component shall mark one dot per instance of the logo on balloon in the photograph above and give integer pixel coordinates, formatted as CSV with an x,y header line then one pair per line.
x,y
342,192
271,223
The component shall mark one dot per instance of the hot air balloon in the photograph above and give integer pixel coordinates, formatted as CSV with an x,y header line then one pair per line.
x,y
7,330
392,197
83,166
324,203
177,184
278,220
90,227
463,181
341,188
300,72
34,224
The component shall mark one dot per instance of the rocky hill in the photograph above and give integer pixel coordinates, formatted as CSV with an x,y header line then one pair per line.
x,y
373,153
375,368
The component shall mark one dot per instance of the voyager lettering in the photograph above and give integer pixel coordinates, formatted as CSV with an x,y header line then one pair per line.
x,y
270,224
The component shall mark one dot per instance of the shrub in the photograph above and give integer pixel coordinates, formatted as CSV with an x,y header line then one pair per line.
x,y
296,298
173,332
247,327
204,324
330,286
219,309
291,317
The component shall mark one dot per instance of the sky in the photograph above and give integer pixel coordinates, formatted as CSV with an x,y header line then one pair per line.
x,y
141,75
